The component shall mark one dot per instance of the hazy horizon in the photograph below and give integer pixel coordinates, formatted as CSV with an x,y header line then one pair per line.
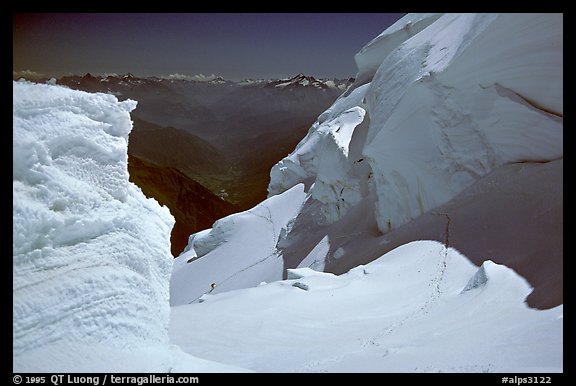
x,y
31,75
234,46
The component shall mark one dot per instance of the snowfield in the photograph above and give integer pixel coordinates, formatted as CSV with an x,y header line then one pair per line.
x,y
91,254
419,308
452,131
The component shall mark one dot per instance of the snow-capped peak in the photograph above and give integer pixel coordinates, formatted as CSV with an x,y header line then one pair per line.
x,y
218,80
299,80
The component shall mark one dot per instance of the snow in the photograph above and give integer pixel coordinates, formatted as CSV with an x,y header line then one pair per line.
x,y
458,97
433,134
405,312
91,254
328,154
513,216
331,84
197,78
240,264
455,116
448,112
372,54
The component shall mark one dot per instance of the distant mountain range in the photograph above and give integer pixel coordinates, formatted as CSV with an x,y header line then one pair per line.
x,y
218,110
130,79
224,135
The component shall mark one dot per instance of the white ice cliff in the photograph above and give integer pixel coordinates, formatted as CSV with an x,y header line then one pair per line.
x,y
439,103
91,254
446,106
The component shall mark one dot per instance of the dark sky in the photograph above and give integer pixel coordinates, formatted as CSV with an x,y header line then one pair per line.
x,y
235,46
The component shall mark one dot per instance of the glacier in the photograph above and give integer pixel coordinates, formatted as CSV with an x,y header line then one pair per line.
x,y
452,131
452,117
91,254
446,106
440,102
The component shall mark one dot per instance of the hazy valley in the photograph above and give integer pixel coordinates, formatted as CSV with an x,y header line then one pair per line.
x,y
223,135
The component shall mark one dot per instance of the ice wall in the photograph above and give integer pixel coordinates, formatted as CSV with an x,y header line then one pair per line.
x,y
459,96
91,254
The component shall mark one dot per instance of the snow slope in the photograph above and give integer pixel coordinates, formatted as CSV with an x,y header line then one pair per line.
x,y
222,256
91,254
419,308
513,216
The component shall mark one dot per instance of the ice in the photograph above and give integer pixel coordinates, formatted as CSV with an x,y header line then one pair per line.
x,y
451,131
440,104
446,99
316,258
479,279
91,254
372,54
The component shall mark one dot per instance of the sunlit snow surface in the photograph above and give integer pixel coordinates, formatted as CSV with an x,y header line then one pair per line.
x,y
239,251
91,254
440,102
446,110
419,308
